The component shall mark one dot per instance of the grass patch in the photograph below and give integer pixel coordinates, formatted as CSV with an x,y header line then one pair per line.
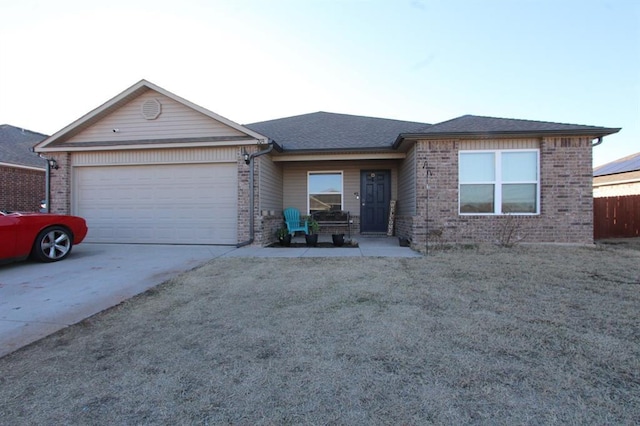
x,y
531,334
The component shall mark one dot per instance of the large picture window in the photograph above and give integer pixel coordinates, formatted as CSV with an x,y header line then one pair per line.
x,y
499,182
325,191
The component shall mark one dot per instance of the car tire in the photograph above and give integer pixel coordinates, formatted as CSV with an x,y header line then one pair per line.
x,y
52,244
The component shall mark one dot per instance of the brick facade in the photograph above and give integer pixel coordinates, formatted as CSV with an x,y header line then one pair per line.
x,y
264,228
22,189
60,197
243,198
566,204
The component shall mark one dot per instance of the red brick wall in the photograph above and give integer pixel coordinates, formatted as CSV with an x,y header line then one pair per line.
x,y
21,189
566,202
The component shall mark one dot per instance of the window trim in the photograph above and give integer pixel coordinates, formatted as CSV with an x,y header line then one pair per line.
x,y
325,172
498,182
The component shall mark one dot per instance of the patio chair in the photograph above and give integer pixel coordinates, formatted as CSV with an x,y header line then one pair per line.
x,y
293,221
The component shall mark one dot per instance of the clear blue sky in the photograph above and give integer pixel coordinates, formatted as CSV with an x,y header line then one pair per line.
x,y
571,61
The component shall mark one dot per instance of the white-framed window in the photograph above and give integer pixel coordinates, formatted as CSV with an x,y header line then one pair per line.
x,y
325,191
499,182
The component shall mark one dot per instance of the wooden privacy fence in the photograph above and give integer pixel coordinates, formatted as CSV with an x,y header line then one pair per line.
x,y
616,217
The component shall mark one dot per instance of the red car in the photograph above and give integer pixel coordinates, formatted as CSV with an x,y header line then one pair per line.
x,y
43,236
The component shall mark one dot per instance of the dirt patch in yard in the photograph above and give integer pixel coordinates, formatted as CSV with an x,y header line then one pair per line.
x,y
528,335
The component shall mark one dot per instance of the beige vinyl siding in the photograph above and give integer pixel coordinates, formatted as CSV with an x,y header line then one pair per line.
x,y
270,185
295,181
175,121
407,184
156,156
530,143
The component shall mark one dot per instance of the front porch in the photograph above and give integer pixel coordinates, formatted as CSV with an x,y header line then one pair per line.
x,y
368,246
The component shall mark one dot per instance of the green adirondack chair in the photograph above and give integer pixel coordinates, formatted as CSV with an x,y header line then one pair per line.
x,y
293,221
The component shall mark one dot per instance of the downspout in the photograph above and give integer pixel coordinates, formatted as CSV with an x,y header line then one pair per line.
x,y
597,143
251,194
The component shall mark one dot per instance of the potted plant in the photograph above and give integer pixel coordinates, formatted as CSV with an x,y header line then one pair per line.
x,y
312,237
338,239
284,237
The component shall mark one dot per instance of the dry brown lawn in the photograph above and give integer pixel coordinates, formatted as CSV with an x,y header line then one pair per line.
x,y
484,335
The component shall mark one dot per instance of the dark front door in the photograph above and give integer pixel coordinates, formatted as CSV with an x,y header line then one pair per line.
x,y
375,190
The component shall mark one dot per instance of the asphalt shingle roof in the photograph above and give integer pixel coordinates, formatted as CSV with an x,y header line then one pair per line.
x,y
16,144
473,124
630,163
324,131
330,131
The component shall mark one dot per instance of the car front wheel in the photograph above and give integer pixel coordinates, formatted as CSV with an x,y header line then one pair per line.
x,y
52,244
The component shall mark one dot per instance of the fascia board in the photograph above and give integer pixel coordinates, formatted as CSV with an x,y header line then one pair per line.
x,y
211,114
149,146
124,95
506,134
20,166
90,115
339,156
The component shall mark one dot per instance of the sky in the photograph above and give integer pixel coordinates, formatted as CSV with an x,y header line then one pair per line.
x,y
566,61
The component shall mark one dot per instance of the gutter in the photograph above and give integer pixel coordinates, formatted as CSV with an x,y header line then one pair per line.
x,y
599,133
249,162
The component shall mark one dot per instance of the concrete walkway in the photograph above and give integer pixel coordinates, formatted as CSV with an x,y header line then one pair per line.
x,y
367,247
38,299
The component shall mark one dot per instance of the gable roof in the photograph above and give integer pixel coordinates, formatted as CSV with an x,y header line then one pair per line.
x,y
479,126
630,163
16,145
53,143
322,131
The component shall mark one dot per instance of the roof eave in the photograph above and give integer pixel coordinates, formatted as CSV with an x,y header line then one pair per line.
x,y
597,132
336,150
22,166
276,145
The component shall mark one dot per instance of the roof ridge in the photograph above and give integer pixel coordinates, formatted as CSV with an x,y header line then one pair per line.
x,y
526,120
339,114
478,124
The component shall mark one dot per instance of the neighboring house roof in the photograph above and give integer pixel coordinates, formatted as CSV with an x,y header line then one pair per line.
x,y
56,141
630,163
16,145
320,131
478,126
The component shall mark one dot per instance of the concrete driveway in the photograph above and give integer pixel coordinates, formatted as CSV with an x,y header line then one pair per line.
x,y
37,299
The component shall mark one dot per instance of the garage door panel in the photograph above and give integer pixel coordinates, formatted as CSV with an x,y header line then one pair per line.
x,y
165,204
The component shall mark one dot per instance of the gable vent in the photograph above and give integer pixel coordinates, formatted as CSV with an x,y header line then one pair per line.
x,y
151,109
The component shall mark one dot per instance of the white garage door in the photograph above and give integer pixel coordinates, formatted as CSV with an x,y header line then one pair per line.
x,y
162,204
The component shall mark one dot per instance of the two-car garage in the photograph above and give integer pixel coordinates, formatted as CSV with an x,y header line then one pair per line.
x,y
150,167
161,204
